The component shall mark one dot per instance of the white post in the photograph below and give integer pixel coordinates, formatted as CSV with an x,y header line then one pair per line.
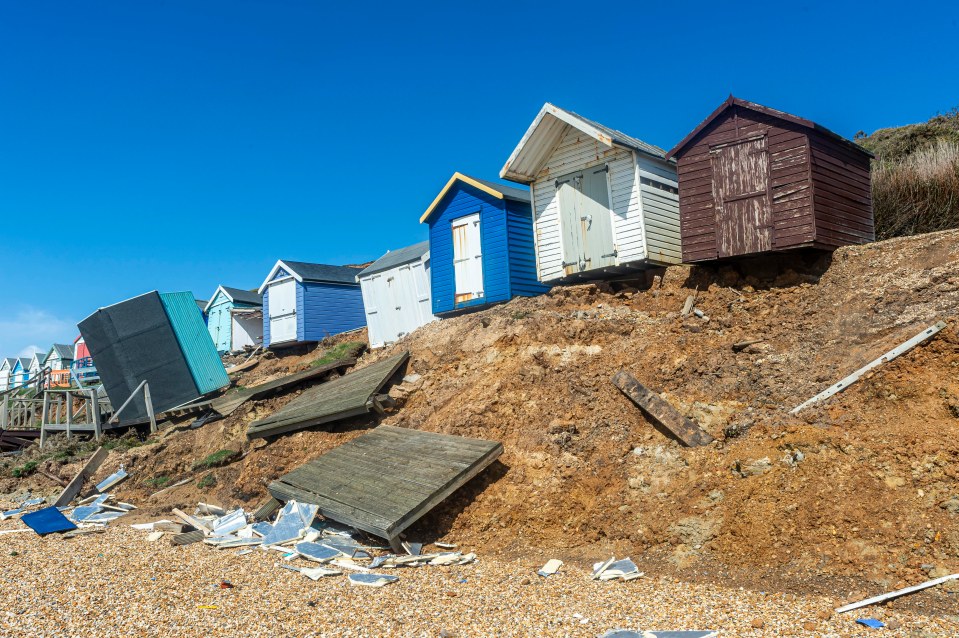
x,y
149,406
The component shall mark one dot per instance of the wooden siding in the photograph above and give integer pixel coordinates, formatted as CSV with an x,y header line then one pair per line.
x,y
522,252
324,309
460,201
577,151
842,195
789,186
266,317
660,210
396,302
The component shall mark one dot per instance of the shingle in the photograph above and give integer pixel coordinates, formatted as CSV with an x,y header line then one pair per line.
x,y
397,257
238,295
324,272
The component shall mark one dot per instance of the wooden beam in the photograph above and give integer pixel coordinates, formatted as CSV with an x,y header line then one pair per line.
x,y
897,593
192,521
901,349
662,413
73,487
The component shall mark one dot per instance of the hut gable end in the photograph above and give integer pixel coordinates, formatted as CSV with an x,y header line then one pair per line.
x,y
754,180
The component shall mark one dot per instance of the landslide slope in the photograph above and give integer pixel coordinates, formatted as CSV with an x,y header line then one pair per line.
x,y
864,485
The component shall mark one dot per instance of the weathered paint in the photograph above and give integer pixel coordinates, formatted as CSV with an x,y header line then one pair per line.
x,y
753,179
506,243
579,227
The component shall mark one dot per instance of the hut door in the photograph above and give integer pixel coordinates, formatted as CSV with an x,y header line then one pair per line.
x,y
740,189
587,227
467,258
282,311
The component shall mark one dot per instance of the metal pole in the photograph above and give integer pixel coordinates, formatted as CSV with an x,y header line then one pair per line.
x,y
116,415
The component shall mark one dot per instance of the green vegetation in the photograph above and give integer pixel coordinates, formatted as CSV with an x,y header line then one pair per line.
x,y
896,143
26,469
207,481
222,457
915,176
157,481
520,314
345,350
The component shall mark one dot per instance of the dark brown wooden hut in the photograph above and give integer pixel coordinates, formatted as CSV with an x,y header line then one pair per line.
x,y
755,180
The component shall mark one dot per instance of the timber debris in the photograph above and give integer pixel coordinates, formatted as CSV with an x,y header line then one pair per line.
x,y
664,415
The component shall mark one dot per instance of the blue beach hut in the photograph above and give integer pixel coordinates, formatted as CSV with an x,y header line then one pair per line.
x,y
481,245
305,302
229,330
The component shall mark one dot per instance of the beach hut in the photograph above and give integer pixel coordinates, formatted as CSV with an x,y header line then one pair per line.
x,y
304,302
481,245
754,180
59,358
36,362
229,331
157,338
6,369
604,203
396,293
82,366
20,372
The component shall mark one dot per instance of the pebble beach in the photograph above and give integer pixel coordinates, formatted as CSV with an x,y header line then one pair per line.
x,y
117,583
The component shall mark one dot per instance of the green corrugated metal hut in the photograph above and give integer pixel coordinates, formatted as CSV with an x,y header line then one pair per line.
x,y
195,342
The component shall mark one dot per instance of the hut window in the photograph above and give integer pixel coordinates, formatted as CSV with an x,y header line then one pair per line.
x,y
645,181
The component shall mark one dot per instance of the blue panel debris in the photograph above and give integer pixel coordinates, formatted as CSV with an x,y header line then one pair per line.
x,y
47,521
871,622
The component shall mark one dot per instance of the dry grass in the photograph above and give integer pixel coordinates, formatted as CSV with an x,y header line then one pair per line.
x,y
918,193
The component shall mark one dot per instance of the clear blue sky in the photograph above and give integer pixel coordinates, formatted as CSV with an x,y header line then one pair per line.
x,y
178,144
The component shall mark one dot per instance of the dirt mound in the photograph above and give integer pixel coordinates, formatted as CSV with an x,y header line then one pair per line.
x,y
865,485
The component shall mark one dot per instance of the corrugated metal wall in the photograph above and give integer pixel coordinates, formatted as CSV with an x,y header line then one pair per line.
x,y
195,342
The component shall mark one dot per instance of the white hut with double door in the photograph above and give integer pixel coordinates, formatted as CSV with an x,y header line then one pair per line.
x,y
604,203
396,294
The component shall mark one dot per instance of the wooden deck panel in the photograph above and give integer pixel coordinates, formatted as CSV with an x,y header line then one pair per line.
x,y
334,400
385,480
229,402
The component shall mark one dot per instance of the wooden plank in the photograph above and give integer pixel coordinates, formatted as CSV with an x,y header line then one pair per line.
x,y
192,521
901,349
338,399
186,538
385,480
229,402
267,510
89,469
895,594
687,432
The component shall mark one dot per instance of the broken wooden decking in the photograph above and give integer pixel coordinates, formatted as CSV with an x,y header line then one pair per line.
x,y
384,481
229,402
348,396
662,413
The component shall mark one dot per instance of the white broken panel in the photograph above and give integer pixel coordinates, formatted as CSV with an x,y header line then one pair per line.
x,y
290,523
112,480
235,520
317,552
372,580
